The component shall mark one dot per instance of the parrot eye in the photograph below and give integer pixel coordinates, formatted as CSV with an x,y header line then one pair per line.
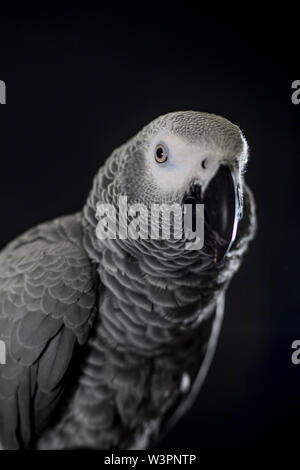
x,y
161,154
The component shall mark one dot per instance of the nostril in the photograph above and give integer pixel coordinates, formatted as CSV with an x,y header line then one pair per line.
x,y
204,164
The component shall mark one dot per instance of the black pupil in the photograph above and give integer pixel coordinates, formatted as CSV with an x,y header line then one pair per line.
x,y
160,152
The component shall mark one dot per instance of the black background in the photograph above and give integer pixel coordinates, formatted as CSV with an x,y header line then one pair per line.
x,y
81,81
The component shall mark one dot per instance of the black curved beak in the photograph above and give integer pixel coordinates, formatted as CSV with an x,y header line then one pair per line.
x,y
221,210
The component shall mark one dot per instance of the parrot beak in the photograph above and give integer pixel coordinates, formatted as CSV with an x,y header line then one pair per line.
x,y
221,209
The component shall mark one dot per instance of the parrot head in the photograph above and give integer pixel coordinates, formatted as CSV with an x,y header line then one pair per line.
x,y
193,158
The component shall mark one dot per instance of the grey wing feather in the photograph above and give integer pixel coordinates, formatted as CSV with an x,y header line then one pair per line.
x,y
47,303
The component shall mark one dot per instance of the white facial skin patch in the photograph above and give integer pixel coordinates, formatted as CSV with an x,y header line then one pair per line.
x,y
185,163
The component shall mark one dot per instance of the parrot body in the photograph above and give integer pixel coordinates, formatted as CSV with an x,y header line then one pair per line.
x,y
109,340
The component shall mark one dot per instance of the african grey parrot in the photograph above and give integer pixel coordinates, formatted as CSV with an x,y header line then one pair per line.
x,y
108,340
